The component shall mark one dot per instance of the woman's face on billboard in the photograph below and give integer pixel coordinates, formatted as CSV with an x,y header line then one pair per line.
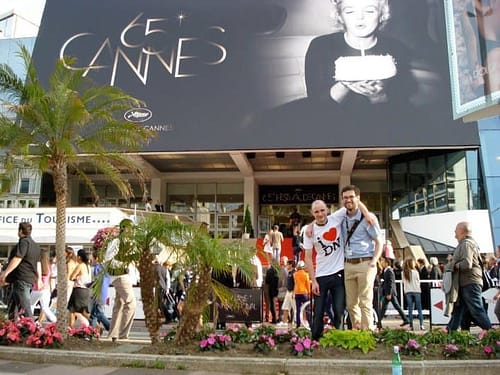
x,y
360,17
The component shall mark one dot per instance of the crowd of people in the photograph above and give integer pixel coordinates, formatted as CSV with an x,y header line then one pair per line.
x,y
349,282
353,277
28,282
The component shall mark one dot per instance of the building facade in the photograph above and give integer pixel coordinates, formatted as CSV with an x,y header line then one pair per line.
x,y
239,120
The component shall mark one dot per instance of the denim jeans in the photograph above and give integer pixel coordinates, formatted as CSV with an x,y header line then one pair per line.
x,y
469,298
333,285
97,315
414,298
20,300
300,299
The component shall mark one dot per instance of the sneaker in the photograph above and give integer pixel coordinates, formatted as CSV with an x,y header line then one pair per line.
x,y
422,328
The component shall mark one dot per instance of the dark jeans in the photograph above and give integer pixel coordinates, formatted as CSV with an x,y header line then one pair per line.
x,y
335,285
97,315
300,299
20,299
469,298
383,308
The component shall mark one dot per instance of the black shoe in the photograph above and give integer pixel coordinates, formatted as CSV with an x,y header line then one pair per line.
x,y
404,324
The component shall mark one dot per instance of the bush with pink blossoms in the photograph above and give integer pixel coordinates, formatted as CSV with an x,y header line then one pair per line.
x,y
27,331
303,346
46,337
84,332
215,341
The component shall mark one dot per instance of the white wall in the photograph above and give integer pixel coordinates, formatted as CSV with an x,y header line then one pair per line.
x,y
441,227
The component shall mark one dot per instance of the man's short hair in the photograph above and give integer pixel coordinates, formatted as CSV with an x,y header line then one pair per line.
x,y
351,187
25,228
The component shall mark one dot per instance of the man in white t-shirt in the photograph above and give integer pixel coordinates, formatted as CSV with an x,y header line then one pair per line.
x,y
329,273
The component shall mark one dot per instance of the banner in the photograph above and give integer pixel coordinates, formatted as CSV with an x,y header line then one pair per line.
x,y
264,74
473,29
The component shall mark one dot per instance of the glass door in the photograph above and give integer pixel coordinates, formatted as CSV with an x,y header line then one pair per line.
x,y
229,225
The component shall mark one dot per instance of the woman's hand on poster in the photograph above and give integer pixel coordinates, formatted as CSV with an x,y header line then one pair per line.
x,y
373,90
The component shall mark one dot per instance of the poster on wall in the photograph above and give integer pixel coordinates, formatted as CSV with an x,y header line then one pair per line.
x,y
266,74
473,29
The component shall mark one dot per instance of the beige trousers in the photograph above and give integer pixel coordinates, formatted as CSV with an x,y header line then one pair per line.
x,y
359,281
123,308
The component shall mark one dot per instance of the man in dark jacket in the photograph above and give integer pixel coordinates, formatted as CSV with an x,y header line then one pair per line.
x,y
389,293
21,273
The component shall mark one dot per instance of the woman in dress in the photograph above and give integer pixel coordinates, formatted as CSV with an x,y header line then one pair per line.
x,y
79,301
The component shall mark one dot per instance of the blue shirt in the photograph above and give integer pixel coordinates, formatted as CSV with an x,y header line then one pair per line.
x,y
361,242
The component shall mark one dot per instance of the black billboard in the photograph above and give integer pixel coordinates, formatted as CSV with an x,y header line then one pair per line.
x,y
263,74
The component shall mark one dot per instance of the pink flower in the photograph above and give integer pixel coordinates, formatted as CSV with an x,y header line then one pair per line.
x,y
211,340
203,343
412,344
298,347
488,349
307,343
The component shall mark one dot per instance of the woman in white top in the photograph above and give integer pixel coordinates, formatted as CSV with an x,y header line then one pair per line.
x,y
411,285
80,297
41,294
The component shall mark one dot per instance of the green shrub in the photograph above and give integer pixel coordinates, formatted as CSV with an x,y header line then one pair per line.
x,y
363,340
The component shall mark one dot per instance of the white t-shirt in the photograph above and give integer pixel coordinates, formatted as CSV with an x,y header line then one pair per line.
x,y
327,241
259,277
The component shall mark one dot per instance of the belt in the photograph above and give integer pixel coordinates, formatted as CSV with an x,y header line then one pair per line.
x,y
358,260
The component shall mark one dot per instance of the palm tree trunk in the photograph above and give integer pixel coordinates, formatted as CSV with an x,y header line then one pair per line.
x,y
197,296
61,189
149,294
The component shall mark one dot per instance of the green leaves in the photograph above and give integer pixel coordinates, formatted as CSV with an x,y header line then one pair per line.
x,y
349,340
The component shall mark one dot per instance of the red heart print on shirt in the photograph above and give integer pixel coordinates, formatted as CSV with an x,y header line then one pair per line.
x,y
331,235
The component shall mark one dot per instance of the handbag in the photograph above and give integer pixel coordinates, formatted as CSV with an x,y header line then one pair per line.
x,y
487,280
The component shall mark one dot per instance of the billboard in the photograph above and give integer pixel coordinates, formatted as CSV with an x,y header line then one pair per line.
x,y
265,74
473,29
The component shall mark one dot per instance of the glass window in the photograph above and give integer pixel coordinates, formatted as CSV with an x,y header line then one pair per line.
x,y
436,183
24,187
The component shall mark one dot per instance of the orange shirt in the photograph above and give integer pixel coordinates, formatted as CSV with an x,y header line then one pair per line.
x,y
302,282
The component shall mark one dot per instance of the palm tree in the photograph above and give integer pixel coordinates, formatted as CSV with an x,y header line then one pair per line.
x,y
69,125
154,232
208,258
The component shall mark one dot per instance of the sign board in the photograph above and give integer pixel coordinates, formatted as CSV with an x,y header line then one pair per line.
x,y
82,223
258,72
251,300
472,29
438,305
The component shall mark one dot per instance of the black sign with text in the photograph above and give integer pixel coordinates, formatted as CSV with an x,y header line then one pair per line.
x,y
298,194
251,303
